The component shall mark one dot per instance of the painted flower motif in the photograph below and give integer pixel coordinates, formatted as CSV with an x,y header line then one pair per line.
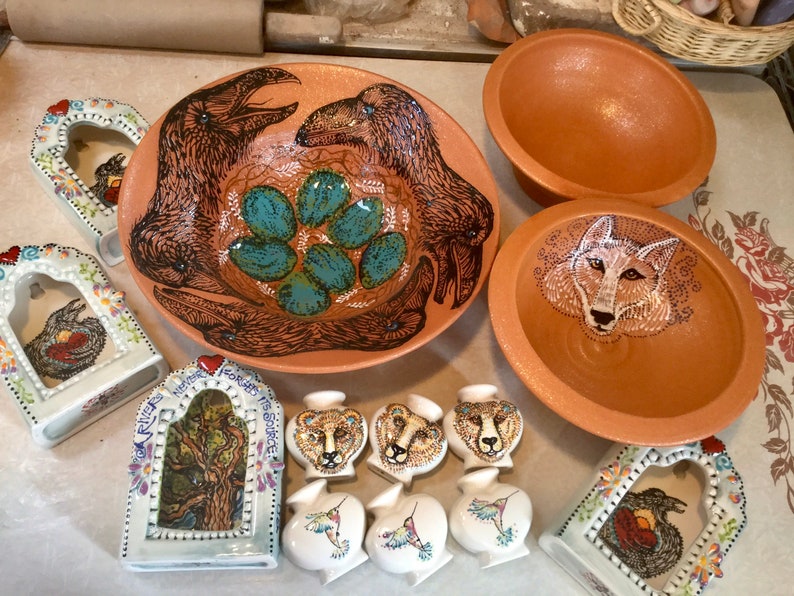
x,y
140,469
611,478
787,344
266,469
768,281
752,241
708,565
8,362
65,185
110,299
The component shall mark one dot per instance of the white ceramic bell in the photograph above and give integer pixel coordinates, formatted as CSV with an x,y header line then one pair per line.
x,y
482,429
491,519
408,535
70,349
326,438
326,531
205,472
78,154
406,439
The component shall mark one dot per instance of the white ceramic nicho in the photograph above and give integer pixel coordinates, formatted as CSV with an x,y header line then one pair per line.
x,y
408,535
326,437
113,129
482,429
406,439
70,349
206,472
654,521
326,531
491,519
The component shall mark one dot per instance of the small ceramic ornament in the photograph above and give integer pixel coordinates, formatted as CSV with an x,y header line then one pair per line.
x,y
111,131
406,439
491,519
205,474
408,535
326,531
482,429
656,521
326,438
70,349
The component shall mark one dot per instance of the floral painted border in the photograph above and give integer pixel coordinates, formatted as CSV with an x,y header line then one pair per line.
x,y
748,242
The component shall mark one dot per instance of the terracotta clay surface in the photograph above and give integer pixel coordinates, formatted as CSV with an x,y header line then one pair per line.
x,y
685,353
309,218
586,114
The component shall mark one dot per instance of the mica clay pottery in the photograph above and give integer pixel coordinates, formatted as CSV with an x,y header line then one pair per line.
x,y
586,114
627,322
308,218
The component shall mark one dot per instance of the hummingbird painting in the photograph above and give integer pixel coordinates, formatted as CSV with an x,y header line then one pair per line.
x,y
407,535
328,522
487,511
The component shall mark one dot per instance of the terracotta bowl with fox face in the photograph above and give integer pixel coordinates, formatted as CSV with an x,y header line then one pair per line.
x,y
586,114
627,322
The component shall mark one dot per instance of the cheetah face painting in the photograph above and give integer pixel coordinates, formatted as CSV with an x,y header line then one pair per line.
x,y
488,429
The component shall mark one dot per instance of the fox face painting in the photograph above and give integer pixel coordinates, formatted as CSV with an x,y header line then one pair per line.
x,y
616,285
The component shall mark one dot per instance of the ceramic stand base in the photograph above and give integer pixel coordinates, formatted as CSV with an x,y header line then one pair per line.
x,y
205,473
71,350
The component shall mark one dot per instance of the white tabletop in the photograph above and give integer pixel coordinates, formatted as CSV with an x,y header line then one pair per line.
x,y
61,510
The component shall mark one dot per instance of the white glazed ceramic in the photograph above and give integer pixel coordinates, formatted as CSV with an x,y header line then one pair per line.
x,y
654,521
112,131
326,438
70,349
326,531
408,535
491,519
482,429
205,473
406,439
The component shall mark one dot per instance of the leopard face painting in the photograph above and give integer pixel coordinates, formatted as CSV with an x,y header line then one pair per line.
x,y
488,429
405,440
329,439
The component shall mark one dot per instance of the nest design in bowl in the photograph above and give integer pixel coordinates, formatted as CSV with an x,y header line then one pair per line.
x,y
627,322
308,218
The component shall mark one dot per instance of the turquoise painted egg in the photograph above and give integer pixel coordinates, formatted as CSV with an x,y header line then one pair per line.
x,y
269,214
263,260
357,224
321,195
381,259
330,267
299,295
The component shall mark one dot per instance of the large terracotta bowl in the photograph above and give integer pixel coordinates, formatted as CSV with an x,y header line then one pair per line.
x,y
308,218
627,322
585,114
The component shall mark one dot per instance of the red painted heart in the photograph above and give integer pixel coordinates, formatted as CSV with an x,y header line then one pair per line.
x,y
210,363
59,109
10,256
712,445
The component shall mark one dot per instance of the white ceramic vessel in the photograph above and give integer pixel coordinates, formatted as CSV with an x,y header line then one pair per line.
x,y
406,439
326,438
408,535
655,521
491,519
70,349
326,531
482,429
78,154
205,473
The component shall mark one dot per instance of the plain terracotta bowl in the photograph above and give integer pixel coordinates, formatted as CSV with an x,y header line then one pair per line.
x,y
308,218
627,322
585,114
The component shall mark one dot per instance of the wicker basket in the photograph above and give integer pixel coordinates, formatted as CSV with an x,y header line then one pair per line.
x,y
680,33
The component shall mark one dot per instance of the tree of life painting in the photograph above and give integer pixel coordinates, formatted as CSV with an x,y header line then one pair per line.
x,y
205,464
